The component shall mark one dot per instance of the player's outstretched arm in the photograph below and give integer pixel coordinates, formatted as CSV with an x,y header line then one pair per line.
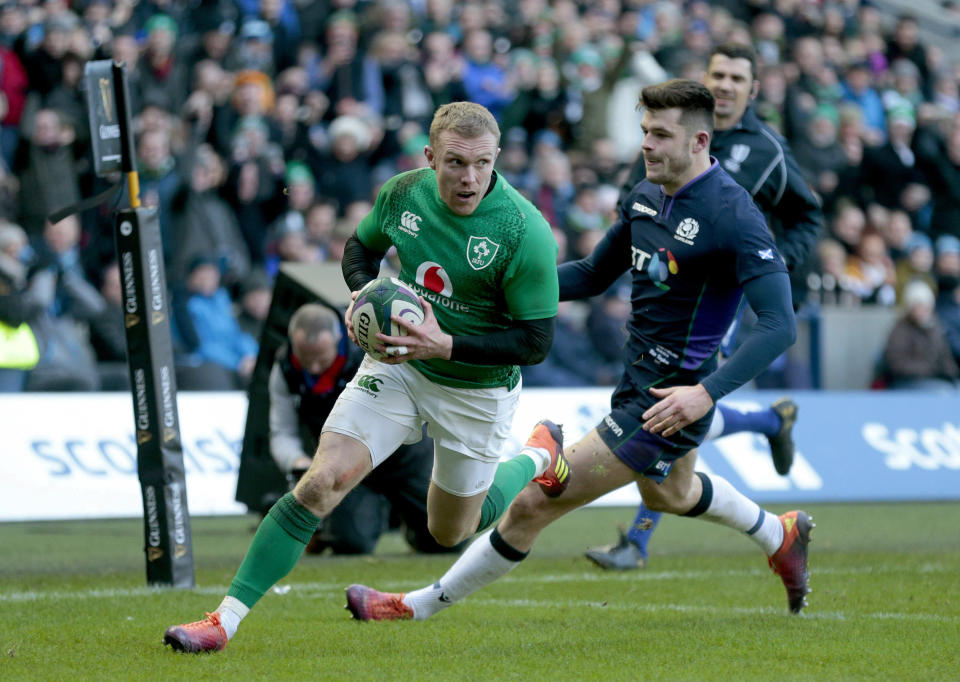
x,y
592,275
775,331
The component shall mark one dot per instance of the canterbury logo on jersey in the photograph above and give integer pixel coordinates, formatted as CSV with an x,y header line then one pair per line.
x,y
369,382
409,223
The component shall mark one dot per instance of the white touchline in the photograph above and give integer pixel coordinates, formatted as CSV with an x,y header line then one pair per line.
x,y
733,610
313,589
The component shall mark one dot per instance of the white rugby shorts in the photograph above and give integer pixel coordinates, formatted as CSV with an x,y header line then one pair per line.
x,y
385,406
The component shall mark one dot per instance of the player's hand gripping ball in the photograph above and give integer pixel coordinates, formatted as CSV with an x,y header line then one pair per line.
x,y
374,305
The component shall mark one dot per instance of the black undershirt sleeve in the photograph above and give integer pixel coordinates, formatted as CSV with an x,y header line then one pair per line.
x,y
775,331
525,343
360,264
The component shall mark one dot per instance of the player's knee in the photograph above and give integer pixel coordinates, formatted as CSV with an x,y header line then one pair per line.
x,y
655,504
446,535
315,490
663,502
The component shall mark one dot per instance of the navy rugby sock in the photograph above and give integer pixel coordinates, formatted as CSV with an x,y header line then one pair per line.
x,y
764,421
642,529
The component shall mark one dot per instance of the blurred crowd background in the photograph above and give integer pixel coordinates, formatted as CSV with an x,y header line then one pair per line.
x,y
263,129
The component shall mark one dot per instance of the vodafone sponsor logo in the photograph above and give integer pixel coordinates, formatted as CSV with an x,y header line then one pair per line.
x,y
432,276
433,283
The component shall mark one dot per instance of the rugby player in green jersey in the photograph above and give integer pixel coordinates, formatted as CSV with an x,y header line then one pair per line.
x,y
483,260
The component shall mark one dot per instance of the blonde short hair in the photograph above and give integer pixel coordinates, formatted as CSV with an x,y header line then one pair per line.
x,y
468,119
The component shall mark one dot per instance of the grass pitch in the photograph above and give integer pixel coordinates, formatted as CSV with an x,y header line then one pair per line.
x,y
885,605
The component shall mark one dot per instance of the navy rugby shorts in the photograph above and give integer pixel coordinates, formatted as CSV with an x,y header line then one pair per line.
x,y
622,431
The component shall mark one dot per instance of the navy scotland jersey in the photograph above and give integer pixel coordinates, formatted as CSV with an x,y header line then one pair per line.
x,y
761,161
688,255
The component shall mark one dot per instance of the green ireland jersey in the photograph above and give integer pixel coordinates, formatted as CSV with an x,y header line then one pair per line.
x,y
479,272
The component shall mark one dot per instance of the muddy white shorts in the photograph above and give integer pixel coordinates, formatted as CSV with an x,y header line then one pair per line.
x,y
385,406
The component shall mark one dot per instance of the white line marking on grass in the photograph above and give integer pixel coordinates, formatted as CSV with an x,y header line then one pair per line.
x,y
712,610
315,589
643,576
147,591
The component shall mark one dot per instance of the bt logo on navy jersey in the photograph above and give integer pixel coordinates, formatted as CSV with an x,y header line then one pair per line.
x,y
662,265
658,266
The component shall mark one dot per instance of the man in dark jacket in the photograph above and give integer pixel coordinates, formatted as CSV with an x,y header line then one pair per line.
x,y
308,375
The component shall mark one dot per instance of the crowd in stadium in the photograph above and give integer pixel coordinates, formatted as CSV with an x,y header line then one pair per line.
x,y
263,130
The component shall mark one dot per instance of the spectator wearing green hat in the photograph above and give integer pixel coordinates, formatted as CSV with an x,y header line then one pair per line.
x,y
301,186
411,153
288,240
592,87
164,79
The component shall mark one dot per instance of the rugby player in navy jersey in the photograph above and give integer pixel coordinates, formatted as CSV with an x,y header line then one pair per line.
x,y
693,242
760,161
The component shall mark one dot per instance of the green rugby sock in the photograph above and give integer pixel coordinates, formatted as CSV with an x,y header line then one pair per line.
x,y
275,550
512,476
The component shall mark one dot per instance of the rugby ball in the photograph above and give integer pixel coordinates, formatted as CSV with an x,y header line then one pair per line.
x,y
373,307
